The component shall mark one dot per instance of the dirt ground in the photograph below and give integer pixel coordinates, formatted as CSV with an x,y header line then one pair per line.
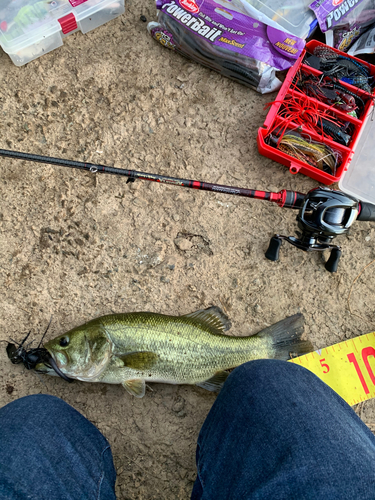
x,y
76,246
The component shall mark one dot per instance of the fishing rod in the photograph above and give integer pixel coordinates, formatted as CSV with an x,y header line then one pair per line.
x,y
323,213
288,199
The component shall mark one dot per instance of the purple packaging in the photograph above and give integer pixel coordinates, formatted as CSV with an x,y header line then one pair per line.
x,y
343,21
229,29
331,12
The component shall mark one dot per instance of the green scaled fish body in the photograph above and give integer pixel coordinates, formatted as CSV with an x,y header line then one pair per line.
x,y
135,348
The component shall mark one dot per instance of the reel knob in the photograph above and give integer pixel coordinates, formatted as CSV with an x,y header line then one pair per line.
x,y
333,261
274,249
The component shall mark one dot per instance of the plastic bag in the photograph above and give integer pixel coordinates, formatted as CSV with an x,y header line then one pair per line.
x,y
365,43
344,21
227,40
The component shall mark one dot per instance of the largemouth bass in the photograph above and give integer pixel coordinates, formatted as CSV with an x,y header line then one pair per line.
x,y
135,348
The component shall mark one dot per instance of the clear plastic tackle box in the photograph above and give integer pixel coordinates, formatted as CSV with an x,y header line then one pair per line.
x,y
296,17
293,16
359,178
31,28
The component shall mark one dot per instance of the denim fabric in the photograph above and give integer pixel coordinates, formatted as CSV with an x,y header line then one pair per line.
x,y
276,431
49,451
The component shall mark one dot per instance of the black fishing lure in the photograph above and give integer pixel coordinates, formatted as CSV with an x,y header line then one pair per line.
x,y
30,358
344,68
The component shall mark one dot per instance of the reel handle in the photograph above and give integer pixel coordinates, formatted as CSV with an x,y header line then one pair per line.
x,y
274,249
333,261
367,212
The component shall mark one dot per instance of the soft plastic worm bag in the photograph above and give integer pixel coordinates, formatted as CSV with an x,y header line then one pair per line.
x,y
227,41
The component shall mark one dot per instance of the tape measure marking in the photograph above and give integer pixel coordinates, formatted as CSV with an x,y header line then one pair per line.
x,y
347,367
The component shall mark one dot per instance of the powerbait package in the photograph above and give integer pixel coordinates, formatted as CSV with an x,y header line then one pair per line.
x,y
227,40
365,43
344,21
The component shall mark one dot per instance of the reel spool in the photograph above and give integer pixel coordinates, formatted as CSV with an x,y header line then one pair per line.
x,y
324,214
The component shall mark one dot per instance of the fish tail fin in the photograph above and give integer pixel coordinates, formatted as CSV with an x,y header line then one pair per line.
x,y
285,338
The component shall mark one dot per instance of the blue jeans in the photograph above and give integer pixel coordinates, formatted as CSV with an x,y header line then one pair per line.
x,y
49,451
275,431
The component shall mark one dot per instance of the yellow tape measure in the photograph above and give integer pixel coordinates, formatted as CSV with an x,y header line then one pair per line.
x,y
348,367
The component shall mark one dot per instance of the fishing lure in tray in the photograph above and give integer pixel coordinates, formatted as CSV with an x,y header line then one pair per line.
x,y
26,15
303,112
344,68
338,133
313,153
330,92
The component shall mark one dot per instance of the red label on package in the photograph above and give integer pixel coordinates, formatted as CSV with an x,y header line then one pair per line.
x,y
75,3
189,5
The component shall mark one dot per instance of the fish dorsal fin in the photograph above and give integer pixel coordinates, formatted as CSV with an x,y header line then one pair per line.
x,y
142,360
135,387
213,317
214,383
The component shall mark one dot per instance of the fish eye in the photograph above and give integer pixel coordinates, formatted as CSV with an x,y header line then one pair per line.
x,y
64,341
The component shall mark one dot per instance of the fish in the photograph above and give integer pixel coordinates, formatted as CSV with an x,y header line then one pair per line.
x,y
138,347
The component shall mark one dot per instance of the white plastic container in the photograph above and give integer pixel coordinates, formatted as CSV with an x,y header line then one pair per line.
x,y
293,16
359,179
31,28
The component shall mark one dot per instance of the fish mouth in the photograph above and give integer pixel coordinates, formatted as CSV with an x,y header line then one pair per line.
x,y
51,362
44,368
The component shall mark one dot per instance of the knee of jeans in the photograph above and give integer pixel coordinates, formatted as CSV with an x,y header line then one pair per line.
x,y
263,370
37,404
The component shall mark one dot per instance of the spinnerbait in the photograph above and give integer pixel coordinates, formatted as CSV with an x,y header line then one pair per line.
x,y
330,92
316,154
299,111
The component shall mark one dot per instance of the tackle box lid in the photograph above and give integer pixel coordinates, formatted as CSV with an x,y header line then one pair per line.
x,y
23,23
359,178
295,16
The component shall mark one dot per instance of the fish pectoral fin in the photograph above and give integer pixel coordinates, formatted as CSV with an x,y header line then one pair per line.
x,y
214,383
142,360
213,317
135,387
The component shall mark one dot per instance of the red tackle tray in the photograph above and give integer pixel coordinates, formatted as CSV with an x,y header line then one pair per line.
x,y
274,119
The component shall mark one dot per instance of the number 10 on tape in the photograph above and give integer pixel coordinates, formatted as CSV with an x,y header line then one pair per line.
x,y
348,367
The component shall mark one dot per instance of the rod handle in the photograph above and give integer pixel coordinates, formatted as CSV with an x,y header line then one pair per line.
x,y
291,199
367,211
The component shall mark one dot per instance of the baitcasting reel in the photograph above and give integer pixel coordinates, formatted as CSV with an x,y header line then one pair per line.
x,y
324,214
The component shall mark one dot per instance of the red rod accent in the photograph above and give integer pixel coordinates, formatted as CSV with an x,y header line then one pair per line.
x,y
285,198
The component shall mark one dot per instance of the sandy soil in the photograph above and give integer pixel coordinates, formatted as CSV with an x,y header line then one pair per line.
x,y
76,246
